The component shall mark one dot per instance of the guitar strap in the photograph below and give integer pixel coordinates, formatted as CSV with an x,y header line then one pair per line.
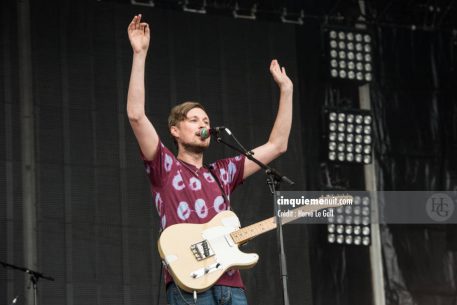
x,y
210,169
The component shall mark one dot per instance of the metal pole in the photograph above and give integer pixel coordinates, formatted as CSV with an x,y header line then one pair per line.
x,y
27,143
377,275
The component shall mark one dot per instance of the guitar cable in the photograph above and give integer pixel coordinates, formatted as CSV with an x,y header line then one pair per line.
x,y
185,301
179,290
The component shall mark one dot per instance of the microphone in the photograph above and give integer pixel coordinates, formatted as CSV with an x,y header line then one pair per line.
x,y
205,133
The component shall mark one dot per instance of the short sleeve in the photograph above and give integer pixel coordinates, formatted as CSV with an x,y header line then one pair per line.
x,y
230,172
159,168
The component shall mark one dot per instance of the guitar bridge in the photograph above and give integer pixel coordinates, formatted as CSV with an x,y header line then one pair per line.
x,y
201,250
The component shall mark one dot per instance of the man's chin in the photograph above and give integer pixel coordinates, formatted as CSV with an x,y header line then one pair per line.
x,y
197,148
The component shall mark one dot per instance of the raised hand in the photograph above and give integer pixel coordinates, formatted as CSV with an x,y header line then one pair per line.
x,y
280,76
139,35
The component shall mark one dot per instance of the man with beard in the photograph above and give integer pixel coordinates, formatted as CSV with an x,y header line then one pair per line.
x,y
183,189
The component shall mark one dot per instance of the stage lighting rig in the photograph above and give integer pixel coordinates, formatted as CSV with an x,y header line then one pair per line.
x,y
192,6
348,135
292,17
245,12
350,224
149,3
349,53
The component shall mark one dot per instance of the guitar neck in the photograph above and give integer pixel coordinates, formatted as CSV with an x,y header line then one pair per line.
x,y
245,234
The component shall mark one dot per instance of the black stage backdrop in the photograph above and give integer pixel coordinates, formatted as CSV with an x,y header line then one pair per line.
x,y
97,225
415,104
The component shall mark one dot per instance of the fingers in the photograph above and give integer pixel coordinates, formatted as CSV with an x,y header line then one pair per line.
x,y
135,23
280,77
144,27
132,24
273,64
276,68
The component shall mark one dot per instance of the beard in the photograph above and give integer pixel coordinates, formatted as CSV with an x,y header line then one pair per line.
x,y
195,148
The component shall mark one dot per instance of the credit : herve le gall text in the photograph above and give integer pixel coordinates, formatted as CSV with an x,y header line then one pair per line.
x,y
300,213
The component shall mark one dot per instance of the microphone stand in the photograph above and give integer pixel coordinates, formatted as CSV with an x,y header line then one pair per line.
x,y
274,179
34,277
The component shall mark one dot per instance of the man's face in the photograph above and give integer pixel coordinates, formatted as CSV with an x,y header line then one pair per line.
x,y
186,131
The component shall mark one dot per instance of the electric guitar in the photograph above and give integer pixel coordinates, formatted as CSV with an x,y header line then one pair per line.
x,y
197,255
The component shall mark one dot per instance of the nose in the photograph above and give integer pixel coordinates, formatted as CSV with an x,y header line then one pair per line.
x,y
203,124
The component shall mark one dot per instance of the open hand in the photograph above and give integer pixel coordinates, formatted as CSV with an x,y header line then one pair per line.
x,y
280,76
139,34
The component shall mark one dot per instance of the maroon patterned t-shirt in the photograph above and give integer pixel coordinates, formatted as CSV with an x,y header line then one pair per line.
x,y
183,193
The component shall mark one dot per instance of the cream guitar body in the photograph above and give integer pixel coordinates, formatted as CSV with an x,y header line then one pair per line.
x,y
197,255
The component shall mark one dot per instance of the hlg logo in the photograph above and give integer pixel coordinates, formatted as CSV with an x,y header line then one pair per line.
x,y
440,207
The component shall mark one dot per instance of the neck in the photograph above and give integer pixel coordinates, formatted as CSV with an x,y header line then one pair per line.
x,y
193,158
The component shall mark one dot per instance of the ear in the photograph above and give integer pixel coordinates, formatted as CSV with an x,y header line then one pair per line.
x,y
174,130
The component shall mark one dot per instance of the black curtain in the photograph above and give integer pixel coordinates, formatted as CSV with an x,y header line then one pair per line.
x,y
10,154
416,109
97,227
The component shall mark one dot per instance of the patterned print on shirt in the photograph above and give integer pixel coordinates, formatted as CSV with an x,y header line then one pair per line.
x,y
232,171
195,184
183,210
164,221
158,202
178,182
201,208
168,163
219,204
208,177
224,176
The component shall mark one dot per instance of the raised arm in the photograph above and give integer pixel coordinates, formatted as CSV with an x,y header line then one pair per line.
x,y
279,136
145,133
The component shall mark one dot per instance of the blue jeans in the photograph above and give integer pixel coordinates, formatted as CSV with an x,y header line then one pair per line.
x,y
217,295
